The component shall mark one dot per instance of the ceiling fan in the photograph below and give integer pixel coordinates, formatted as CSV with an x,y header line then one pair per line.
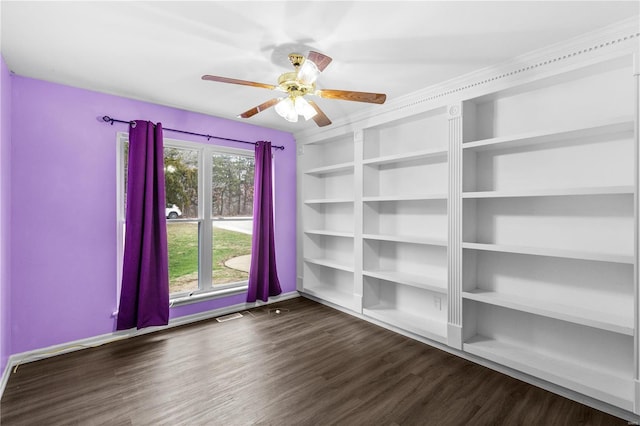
x,y
297,84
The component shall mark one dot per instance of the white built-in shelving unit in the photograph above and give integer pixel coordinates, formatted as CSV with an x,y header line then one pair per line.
x,y
499,220
404,226
328,236
549,229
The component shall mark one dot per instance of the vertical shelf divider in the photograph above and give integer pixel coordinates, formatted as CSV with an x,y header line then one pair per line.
x,y
358,219
454,211
300,217
636,242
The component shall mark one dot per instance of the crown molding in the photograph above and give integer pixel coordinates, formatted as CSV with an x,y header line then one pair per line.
x,y
616,40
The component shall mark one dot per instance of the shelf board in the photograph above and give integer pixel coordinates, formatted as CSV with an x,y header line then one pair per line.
x,y
419,281
605,321
329,264
423,326
329,233
611,127
551,192
329,201
334,168
408,156
541,251
331,294
378,198
615,390
406,239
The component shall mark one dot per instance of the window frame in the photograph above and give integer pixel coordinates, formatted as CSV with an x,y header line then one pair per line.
x,y
206,288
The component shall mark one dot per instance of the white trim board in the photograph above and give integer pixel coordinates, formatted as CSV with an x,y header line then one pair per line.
x,y
558,390
16,360
5,376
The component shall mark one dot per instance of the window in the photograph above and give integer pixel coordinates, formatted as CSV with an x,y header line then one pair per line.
x,y
209,210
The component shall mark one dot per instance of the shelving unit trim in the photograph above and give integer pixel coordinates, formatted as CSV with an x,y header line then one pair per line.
x,y
405,239
329,201
619,126
536,251
610,321
405,197
552,192
329,233
335,168
422,282
398,158
329,264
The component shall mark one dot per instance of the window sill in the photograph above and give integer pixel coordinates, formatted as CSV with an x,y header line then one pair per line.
x,y
209,295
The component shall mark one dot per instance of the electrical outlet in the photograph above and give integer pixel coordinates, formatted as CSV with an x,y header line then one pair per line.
x,y
437,302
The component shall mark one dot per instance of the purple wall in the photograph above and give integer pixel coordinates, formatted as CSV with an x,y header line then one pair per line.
x,y
5,194
63,246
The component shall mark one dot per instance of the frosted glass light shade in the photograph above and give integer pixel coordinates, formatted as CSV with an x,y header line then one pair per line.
x,y
304,108
308,72
286,109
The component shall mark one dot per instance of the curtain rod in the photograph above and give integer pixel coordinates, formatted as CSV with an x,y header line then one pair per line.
x,y
110,120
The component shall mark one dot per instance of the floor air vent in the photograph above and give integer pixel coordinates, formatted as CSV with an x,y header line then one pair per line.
x,y
229,317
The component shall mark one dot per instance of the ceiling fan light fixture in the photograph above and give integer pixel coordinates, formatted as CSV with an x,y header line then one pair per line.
x,y
308,72
287,110
304,109
296,84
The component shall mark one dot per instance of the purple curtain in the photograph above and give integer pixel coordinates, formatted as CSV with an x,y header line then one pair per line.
x,y
263,277
144,298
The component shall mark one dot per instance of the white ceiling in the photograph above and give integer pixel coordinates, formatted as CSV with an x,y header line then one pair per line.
x,y
158,51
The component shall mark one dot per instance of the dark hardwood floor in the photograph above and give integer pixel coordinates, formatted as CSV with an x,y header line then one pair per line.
x,y
309,365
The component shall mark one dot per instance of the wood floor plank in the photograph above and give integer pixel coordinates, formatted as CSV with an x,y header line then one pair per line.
x,y
309,365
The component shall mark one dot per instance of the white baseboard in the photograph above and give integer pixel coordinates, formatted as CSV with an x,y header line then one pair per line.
x,y
16,360
636,406
454,336
5,376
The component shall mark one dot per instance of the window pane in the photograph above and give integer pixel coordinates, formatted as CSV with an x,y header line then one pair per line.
x,y
232,186
232,211
231,250
181,183
182,243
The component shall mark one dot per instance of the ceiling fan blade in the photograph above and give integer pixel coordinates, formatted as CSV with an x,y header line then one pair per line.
x,y
236,81
349,95
253,111
320,118
321,61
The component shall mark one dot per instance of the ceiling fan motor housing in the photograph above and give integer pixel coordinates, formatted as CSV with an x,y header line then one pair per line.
x,y
296,59
289,83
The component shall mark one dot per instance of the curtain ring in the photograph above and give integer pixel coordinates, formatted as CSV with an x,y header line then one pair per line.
x,y
133,124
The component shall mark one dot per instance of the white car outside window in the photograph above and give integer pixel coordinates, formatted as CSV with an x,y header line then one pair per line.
x,y
172,212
